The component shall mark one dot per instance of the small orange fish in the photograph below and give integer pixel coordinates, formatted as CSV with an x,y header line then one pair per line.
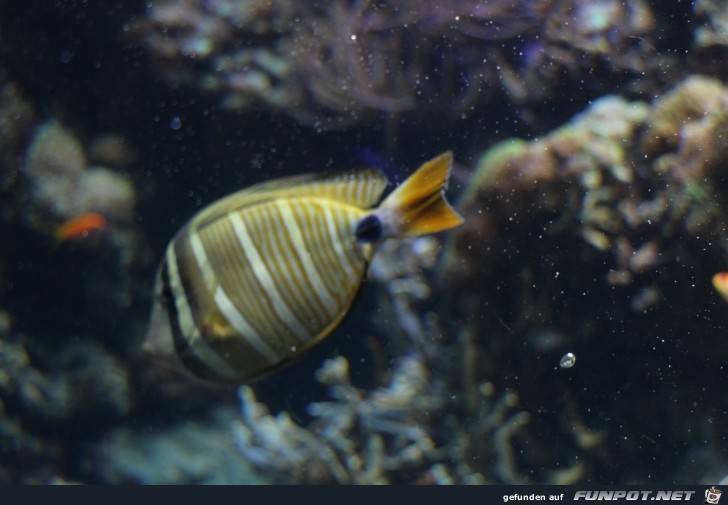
x,y
720,283
80,226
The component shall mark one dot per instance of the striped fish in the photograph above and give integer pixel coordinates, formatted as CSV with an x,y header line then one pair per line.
x,y
259,277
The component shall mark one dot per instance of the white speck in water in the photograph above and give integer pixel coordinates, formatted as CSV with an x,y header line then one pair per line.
x,y
293,348
567,360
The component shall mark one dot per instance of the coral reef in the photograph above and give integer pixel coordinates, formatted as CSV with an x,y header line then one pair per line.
x,y
192,451
597,239
16,122
84,380
410,429
44,398
621,204
714,13
58,185
337,63
710,43
588,177
381,436
357,438
62,184
64,378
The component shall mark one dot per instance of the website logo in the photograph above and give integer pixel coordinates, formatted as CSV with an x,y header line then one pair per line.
x,y
712,495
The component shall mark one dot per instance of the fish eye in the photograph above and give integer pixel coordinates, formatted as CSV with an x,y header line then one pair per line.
x,y
369,229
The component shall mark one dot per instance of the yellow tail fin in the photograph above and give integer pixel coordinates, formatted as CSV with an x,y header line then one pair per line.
x,y
419,201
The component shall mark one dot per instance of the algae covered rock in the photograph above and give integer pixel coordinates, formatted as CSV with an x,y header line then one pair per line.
x,y
599,239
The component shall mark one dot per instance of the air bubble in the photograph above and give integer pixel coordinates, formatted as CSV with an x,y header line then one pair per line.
x,y
567,360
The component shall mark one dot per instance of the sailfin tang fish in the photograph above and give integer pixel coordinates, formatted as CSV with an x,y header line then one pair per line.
x,y
259,277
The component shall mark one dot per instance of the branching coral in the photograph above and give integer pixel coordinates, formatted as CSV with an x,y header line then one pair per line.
x,y
357,438
421,426
382,436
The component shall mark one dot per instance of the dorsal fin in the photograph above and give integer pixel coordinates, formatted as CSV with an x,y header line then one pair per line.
x,y
359,187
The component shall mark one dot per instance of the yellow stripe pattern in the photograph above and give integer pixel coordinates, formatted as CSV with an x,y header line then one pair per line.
x,y
268,281
359,188
186,322
256,278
